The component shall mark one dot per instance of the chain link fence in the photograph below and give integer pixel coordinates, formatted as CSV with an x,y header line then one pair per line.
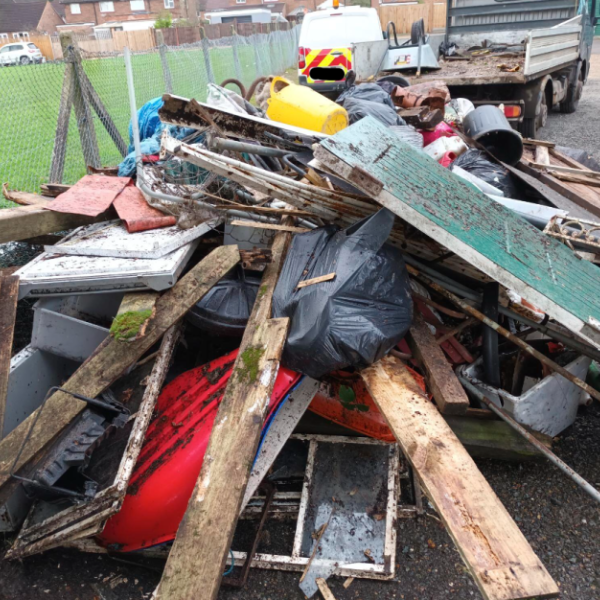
x,y
52,123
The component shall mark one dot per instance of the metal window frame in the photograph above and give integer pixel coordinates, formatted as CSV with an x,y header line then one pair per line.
x,y
296,562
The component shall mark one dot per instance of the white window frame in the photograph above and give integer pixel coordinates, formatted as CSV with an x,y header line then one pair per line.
x,y
20,36
240,1
75,8
106,9
169,3
4,36
132,2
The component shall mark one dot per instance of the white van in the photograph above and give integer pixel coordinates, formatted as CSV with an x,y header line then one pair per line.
x,y
324,53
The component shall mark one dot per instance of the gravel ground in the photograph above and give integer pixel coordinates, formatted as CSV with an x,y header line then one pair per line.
x,y
560,521
582,129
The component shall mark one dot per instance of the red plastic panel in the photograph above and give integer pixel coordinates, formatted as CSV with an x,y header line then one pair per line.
x,y
171,458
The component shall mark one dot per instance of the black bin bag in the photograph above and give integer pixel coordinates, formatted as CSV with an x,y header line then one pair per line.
x,y
354,319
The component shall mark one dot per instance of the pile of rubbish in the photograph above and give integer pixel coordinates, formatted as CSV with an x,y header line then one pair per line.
x,y
398,266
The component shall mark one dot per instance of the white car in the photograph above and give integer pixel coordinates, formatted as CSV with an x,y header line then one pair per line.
x,y
20,53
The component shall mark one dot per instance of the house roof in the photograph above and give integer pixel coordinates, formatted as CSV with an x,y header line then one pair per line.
x,y
213,6
20,15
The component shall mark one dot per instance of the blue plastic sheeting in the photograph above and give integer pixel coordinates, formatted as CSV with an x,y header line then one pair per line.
x,y
148,120
151,128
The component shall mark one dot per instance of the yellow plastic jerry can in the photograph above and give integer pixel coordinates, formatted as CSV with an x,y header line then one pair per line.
x,y
302,107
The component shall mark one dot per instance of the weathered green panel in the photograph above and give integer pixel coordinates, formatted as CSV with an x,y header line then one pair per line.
x,y
489,228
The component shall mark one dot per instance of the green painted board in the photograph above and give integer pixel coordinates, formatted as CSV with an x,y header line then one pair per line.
x,y
466,221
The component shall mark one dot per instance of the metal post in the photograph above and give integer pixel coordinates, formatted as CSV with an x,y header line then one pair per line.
x,y
255,42
59,150
206,55
135,126
564,467
162,50
236,56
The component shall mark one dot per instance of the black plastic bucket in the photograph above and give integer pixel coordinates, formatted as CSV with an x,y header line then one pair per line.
x,y
488,126
227,306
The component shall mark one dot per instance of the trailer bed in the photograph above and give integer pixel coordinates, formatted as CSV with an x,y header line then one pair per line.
x,y
479,70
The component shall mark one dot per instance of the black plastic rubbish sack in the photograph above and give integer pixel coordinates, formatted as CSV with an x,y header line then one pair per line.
x,y
359,109
354,319
477,163
371,92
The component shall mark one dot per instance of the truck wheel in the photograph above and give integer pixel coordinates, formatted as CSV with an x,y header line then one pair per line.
x,y
571,102
528,127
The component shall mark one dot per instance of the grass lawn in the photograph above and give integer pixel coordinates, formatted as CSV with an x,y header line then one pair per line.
x,y
30,98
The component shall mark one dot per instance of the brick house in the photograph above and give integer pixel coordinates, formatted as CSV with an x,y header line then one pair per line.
x,y
123,15
19,20
287,8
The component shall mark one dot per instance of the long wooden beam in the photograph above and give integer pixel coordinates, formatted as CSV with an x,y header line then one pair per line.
x,y
499,557
110,361
24,222
197,560
9,293
449,395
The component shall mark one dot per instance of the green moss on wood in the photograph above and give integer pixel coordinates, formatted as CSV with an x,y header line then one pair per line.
x,y
127,325
248,371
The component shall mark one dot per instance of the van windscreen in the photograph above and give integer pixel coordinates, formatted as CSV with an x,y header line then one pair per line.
x,y
341,31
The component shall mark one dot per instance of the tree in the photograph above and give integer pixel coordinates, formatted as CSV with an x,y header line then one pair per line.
x,y
164,20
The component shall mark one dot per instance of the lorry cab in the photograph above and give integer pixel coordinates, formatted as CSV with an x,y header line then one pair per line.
x,y
326,37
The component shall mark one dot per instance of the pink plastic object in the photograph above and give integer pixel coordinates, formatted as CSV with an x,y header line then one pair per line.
x,y
447,159
441,130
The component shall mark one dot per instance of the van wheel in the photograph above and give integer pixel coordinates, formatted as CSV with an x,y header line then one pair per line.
x,y
24,60
574,92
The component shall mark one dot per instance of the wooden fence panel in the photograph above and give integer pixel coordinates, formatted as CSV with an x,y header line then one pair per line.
x,y
44,43
434,16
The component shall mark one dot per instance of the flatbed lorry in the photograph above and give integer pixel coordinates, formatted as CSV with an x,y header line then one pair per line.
x,y
543,62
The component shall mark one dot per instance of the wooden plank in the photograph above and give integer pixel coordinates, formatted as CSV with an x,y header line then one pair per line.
x,y
320,279
448,394
24,198
24,222
499,557
9,294
197,560
110,361
324,589
134,314
570,170
542,156
482,232
558,195
273,226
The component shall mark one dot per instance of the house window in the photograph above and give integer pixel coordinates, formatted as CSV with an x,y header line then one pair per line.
x,y
169,3
137,5
3,38
240,1
75,9
20,35
107,7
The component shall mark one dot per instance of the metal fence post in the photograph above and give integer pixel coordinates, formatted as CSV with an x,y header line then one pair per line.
x,y
59,150
83,113
236,56
206,54
257,57
162,50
